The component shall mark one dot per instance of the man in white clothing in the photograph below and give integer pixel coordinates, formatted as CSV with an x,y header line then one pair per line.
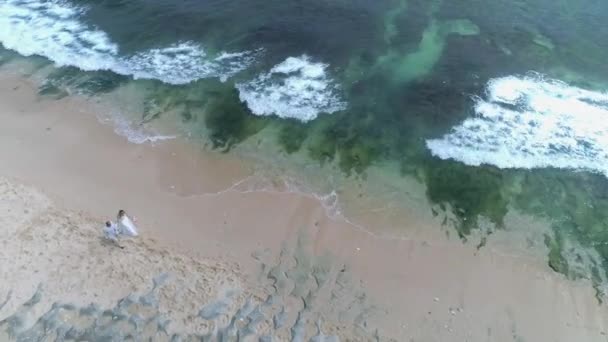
x,y
110,232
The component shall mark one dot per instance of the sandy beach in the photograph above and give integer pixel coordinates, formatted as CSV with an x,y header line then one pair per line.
x,y
208,223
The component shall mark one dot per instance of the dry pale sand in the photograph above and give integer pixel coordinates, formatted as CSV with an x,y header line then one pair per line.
x,y
199,218
62,252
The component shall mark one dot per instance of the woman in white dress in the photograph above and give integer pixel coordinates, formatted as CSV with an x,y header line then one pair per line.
x,y
125,224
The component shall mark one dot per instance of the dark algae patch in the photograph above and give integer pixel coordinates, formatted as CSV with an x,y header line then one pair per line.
x,y
470,192
71,78
229,121
577,205
407,71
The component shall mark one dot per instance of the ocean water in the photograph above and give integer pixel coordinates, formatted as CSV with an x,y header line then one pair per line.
x,y
494,106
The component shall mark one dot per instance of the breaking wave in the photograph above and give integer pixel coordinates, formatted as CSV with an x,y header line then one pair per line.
x,y
53,29
296,88
532,122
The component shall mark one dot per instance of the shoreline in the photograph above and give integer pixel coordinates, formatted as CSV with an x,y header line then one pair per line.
x,y
185,201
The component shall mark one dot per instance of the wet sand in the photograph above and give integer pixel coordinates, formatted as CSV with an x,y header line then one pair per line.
x,y
210,209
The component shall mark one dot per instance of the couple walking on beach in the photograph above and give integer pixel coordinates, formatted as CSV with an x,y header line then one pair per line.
x,y
123,226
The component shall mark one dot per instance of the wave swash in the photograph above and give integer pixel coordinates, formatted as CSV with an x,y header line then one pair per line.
x,y
532,122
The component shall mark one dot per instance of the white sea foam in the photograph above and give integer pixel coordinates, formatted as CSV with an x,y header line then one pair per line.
x,y
185,62
53,29
532,122
134,133
296,88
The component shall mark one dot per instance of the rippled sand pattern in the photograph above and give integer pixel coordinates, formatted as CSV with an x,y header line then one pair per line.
x,y
290,312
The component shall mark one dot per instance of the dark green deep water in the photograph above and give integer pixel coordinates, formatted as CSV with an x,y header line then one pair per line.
x,y
384,78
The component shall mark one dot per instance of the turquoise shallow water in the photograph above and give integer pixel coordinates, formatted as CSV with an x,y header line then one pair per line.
x,y
492,105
